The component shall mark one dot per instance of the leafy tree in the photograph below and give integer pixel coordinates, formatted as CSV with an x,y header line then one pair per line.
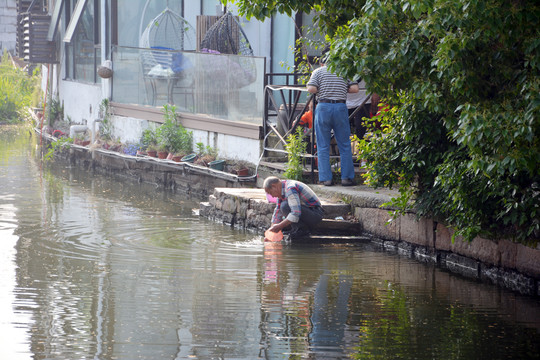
x,y
461,79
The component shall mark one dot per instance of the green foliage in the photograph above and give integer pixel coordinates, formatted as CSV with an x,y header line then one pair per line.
x,y
206,150
54,110
462,79
332,13
57,146
16,89
296,148
148,139
171,135
106,129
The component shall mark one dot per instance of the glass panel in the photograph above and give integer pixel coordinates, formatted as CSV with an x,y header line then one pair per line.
x,y
228,87
311,31
83,46
282,40
135,15
210,7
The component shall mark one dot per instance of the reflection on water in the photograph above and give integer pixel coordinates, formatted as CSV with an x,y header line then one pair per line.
x,y
99,269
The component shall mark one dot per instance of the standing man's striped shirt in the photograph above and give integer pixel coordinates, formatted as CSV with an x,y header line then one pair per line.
x,y
297,194
330,86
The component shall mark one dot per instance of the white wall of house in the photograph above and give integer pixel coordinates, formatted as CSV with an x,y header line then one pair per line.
x,y
8,25
81,101
230,147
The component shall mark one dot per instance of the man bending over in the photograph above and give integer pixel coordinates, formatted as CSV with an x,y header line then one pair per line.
x,y
297,205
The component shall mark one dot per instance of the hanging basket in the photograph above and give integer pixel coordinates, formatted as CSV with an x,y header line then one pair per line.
x,y
104,72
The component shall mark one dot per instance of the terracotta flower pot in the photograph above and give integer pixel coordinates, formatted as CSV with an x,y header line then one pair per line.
x,y
242,172
162,154
177,158
151,153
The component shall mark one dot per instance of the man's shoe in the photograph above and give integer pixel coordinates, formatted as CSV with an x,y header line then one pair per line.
x,y
347,182
328,183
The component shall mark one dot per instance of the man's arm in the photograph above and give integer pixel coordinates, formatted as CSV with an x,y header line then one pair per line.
x,y
312,89
280,226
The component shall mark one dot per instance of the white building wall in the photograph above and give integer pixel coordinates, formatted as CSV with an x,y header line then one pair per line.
x,y
81,101
8,25
229,146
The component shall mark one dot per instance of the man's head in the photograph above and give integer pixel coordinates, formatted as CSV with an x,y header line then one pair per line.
x,y
272,186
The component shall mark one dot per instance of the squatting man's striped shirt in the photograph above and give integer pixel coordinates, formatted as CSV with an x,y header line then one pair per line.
x,y
297,194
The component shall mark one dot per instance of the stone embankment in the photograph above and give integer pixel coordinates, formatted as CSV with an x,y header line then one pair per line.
x,y
236,201
502,262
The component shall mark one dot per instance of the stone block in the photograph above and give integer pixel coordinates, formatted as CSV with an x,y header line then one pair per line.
x,y
527,260
378,222
462,265
405,248
229,205
508,251
424,254
485,250
443,238
518,282
331,211
205,208
418,232
242,210
218,205
490,273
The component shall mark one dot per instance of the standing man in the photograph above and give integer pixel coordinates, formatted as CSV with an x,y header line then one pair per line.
x,y
331,114
297,205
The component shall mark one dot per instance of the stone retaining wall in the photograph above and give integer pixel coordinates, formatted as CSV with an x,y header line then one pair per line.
x,y
510,265
187,178
501,262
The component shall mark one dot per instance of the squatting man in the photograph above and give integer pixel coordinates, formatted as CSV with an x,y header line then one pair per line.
x,y
297,206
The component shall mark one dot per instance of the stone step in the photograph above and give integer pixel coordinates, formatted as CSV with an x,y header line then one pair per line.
x,y
234,200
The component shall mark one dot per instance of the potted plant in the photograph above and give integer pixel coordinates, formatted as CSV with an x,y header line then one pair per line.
x,y
240,168
189,158
205,155
177,157
171,135
151,151
217,165
162,151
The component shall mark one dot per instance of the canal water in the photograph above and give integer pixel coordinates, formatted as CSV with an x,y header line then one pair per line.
x,y
97,268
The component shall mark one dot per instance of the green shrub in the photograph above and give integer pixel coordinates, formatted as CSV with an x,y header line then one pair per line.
x,y
171,135
296,148
16,89
57,146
